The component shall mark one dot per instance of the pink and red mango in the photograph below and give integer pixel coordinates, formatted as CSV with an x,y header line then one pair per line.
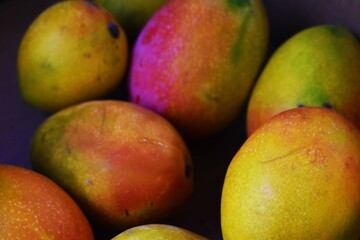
x,y
195,61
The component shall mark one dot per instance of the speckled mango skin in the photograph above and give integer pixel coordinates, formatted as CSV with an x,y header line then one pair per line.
x,y
34,207
296,177
74,51
132,15
124,164
158,232
195,61
319,66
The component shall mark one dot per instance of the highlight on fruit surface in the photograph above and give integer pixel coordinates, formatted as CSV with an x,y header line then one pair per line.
x,y
34,207
158,232
195,61
296,177
319,66
122,163
74,51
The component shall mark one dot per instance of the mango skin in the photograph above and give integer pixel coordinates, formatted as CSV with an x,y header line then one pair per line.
x,y
158,232
319,66
195,61
132,15
123,164
296,177
74,51
34,207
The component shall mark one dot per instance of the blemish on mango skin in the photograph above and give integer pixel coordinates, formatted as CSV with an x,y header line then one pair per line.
x,y
327,105
89,182
113,30
188,169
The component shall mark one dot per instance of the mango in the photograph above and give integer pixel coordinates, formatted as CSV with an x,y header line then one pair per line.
x,y
158,232
132,15
318,66
123,164
296,177
195,61
34,207
74,51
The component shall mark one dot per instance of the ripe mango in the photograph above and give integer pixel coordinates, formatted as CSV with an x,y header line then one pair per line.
x,y
158,232
34,207
296,177
74,51
319,66
195,61
123,164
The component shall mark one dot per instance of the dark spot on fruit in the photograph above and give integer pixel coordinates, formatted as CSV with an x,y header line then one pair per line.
x,y
113,30
126,212
88,181
327,105
47,66
300,105
212,98
188,169
347,165
87,55
137,99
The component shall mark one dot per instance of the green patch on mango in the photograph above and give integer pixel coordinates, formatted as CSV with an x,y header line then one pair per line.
x,y
238,3
335,30
238,45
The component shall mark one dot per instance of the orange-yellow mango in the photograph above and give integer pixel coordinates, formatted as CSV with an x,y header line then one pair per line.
x,y
74,51
124,164
296,177
34,207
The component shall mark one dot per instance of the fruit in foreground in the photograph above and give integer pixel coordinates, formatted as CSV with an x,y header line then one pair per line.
x,y
158,232
132,15
74,51
124,164
34,207
319,66
195,61
296,177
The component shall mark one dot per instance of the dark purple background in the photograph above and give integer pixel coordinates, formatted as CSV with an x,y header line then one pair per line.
x,y
211,157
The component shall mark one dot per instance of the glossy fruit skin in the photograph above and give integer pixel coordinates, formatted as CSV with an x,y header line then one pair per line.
x,y
132,15
34,207
158,232
73,51
319,66
124,164
296,177
195,61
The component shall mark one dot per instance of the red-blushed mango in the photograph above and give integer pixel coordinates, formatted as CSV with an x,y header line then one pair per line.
x,y
132,15
34,207
158,232
195,61
125,165
296,177
319,66
74,51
